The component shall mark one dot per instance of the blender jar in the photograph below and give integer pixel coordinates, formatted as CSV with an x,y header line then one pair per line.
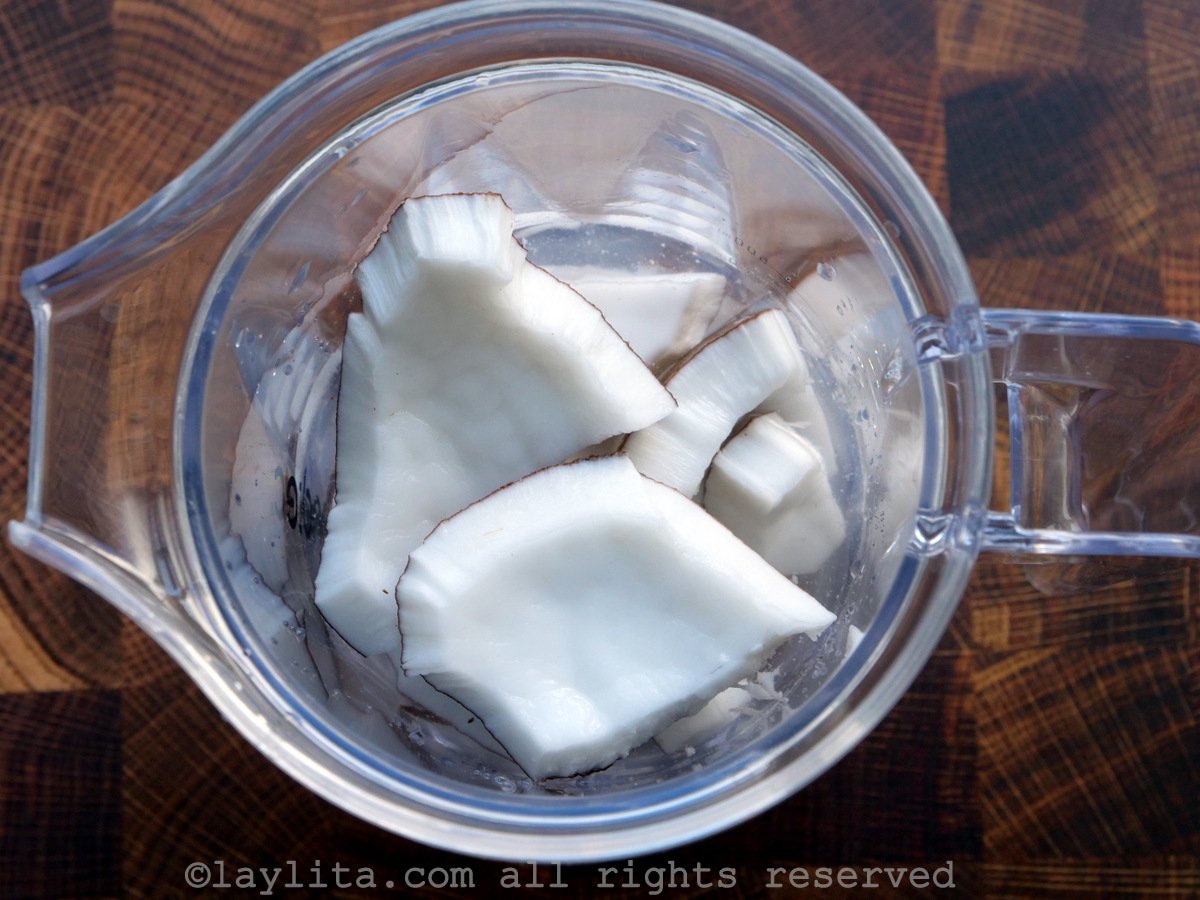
x,y
188,478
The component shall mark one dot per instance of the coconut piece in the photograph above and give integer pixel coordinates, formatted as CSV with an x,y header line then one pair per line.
x,y
768,486
661,315
256,497
287,399
468,368
854,636
762,686
711,718
753,366
797,403
580,610
443,706
722,380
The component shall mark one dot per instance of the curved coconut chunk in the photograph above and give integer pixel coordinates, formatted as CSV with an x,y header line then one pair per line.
x,y
726,377
256,497
467,369
583,608
659,314
768,486
286,400
466,238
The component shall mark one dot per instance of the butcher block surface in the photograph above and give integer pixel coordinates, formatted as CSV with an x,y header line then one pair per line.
x,y
1050,748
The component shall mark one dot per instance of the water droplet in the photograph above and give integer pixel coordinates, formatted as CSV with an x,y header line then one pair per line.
x,y
826,270
892,229
287,370
109,312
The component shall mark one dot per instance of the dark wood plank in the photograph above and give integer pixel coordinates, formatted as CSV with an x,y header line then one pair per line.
x,y
1004,612
1174,32
60,810
209,60
1029,36
1083,282
56,53
1051,164
1087,753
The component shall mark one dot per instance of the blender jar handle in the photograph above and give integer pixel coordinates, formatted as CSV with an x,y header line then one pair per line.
x,y
1104,423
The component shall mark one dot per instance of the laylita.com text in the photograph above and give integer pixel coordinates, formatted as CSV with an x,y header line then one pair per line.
x,y
653,881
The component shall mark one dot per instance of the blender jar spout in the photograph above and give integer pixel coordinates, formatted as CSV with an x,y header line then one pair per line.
x,y
1104,424
107,345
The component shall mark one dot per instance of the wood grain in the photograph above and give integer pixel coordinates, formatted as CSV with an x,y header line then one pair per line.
x,y
1087,752
61,803
1051,748
1051,164
1028,36
57,53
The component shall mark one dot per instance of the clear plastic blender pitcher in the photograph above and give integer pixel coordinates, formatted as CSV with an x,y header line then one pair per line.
x,y
187,368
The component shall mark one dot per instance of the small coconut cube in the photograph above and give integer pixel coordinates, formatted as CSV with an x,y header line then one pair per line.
x,y
768,486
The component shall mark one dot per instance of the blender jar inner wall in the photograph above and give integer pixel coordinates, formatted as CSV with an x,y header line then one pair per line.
x,y
608,166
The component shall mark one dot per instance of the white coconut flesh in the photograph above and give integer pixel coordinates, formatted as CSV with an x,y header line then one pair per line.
x,y
768,486
468,368
854,637
256,495
287,400
661,315
797,403
700,726
724,379
580,610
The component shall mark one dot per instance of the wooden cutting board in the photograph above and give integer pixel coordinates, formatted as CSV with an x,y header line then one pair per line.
x,y
1051,746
